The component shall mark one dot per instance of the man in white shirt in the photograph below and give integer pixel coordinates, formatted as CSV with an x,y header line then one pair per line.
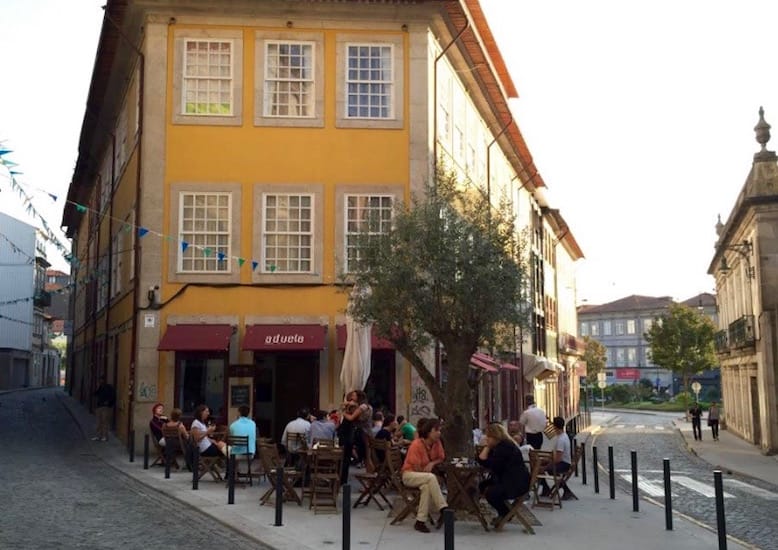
x,y
533,422
299,425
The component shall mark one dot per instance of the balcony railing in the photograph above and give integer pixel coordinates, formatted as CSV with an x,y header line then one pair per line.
x,y
741,332
42,299
722,342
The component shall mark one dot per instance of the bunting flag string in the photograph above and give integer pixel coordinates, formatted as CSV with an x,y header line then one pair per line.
x,y
16,320
17,249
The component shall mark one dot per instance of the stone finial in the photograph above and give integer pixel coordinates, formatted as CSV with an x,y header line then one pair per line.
x,y
762,130
719,226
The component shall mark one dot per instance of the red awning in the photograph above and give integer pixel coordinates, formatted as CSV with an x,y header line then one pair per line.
x,y
483,361
196,338
285,337
375,341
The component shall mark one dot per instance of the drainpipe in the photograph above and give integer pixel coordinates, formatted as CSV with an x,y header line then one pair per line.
x,y
489,157
136,253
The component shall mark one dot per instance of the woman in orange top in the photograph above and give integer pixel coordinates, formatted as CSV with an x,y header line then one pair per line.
x,y
424,454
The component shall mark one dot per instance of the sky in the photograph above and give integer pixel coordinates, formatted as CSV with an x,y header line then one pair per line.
x,y
639,116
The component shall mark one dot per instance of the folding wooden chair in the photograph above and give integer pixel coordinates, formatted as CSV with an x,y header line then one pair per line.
x,y
159,450
565,476
519,508
374,483
241,442
325,479
177,446
540,460
295,442
410,495
271,461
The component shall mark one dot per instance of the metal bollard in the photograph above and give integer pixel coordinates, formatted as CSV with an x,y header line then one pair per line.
x,y
611,473
346,516
448,529
145,451
596,469
168,460
195,467
231,480
635,500
583,463
668,496
131,444
279,496
575,446
721,526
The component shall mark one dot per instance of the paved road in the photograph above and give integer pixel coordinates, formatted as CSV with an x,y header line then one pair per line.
x,y
751,505
56,493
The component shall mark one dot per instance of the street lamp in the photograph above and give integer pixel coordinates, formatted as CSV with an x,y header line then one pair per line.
x,y
744,249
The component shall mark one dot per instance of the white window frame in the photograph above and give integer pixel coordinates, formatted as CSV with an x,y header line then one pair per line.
x,y
396,84
584,328
301,81
606,328
347,209
595,328
210,35
619,328
197,249
208,78
272,268
383,83
631,326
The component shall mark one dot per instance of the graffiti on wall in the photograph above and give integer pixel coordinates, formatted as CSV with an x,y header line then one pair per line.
x,y
147,392
421,405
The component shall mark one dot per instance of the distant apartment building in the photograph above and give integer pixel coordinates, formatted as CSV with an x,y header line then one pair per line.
x,y
26,358
621,326
747,286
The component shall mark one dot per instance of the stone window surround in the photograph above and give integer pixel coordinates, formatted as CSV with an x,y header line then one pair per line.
x,y
341,191
174,247
180,36
398,83
257,249
317,38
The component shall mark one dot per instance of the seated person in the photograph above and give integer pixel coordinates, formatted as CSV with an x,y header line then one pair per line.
x,y
561,457
406,431
322,428
509,476
158,419
244,426
385,434
175,422
300,425
424,454
202,433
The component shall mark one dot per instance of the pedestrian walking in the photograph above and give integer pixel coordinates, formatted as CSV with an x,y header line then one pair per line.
x,y
696,414
105,399
713,420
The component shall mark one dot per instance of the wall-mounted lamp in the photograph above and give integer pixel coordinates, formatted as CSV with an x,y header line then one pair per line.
x,y
744,249
289,24
152,296
404,27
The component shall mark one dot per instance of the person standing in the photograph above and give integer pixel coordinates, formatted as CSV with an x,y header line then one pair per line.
x,y
105,399
696,414
533,422
713,420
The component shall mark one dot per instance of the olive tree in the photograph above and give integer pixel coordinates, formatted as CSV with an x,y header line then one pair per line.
x,y
450,270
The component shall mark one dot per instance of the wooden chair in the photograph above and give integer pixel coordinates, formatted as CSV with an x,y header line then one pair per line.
x,y
565,476
271,460
325,479
241,442
295,441
177,446
159,451
410,495
319,442
374,483
539,460
519,508
213,465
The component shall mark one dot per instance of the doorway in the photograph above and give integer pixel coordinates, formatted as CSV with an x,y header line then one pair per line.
x,y
380,387
756,423
283,384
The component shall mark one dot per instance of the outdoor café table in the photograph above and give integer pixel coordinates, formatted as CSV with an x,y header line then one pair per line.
x,y
462,481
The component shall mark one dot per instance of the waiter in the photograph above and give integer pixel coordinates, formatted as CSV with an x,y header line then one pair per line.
x,y
533,421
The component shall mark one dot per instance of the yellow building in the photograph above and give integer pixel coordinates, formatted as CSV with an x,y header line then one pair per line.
x,y
228,156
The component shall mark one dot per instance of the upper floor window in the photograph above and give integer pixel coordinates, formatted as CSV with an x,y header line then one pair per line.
x,y
289,79
287,233
619,326
365,215
208,77
584,329
606,328
205,232
369,81
630,326
647,324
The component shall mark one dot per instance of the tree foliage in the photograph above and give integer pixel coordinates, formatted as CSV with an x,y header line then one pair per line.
x,y
683,341
595,358
450,269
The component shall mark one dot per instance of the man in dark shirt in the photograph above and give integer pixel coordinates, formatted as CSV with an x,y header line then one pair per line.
x,y
696,413
105,399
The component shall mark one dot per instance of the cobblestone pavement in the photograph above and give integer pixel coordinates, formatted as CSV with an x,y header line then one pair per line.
x,y
751,505
57,494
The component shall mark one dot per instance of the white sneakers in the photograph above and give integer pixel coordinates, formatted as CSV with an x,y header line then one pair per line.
x,y
98,438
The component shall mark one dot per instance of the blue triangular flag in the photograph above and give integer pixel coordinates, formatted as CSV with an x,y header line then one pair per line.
x,y
184,246
142,231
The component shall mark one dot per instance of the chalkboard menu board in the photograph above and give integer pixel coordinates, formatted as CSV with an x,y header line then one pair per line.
x,y
239,395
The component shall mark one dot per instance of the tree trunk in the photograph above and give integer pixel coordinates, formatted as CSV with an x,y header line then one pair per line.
x,y
457,411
